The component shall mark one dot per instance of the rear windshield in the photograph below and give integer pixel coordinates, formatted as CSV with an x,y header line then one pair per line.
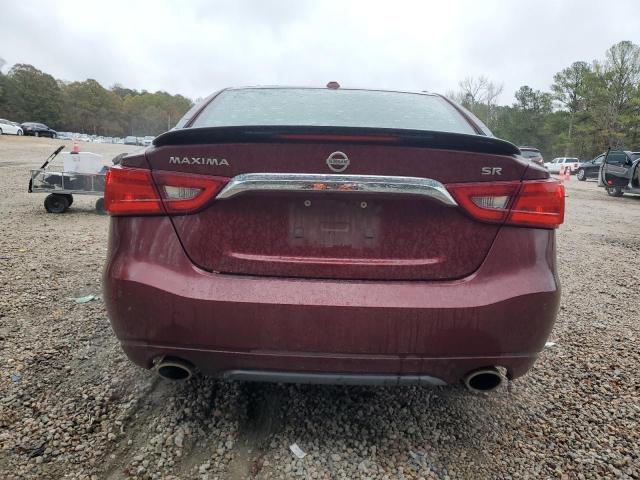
x,y
339,108
530,153
635,156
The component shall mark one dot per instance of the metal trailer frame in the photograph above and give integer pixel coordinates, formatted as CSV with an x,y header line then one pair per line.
x,y
60,195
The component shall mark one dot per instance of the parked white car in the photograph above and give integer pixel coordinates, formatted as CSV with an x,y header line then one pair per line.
x,y
561,163
9,128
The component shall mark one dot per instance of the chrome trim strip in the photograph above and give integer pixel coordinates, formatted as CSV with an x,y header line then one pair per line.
x,y
313,182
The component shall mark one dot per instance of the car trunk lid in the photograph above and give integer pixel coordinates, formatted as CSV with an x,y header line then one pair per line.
x,y
384,213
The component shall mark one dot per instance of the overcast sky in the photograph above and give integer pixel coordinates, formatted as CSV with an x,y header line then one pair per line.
x,y
197,47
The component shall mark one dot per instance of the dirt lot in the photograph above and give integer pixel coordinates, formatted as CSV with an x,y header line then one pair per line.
x,y
72,406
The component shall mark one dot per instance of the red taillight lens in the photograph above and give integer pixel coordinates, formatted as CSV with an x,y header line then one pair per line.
x,y
538,204
186,193
134,191
130,191
488,202
530,203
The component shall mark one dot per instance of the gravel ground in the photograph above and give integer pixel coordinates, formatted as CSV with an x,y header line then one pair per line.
x,y
72,406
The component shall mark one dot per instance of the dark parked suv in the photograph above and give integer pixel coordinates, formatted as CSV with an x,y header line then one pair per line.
x,y
620,173
332,236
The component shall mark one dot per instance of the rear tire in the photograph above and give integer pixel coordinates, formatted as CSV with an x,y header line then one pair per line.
x,y
69,198
615,191
100,207
56,203
36,134
19,133
581,175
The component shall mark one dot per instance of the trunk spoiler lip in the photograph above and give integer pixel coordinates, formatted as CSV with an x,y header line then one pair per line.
x,y
339,135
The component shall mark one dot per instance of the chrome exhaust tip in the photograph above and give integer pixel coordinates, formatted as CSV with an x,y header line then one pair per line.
x,y
174,369
483,380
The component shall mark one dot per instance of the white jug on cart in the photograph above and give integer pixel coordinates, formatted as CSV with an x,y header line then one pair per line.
x,y
82,162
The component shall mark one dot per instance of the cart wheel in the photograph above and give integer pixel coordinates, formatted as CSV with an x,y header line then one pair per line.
x,y
56,203
100,206
69,197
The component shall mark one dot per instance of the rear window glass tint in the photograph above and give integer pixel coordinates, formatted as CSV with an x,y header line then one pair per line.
x,y
530,153
340,108
616,158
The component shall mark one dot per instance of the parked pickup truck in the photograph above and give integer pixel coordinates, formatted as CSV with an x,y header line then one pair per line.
x,y
559,165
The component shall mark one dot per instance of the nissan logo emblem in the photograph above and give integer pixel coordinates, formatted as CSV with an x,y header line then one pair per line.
x,y
338,162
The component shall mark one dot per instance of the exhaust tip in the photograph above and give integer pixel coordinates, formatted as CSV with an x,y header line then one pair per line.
x,y
174,369
483,380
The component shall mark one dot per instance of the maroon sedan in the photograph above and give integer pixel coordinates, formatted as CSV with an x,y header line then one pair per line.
x,y
329,235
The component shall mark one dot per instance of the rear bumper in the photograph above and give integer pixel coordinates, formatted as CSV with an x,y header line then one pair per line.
x,y
323,331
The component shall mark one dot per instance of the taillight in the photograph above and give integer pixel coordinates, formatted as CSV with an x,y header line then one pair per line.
x,y
488,202
530,203
186,193
132,191
538,204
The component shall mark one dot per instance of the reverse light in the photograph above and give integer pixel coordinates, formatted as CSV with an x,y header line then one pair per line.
x,y
187,193
533,203
180,193
493,202
135,191
487,202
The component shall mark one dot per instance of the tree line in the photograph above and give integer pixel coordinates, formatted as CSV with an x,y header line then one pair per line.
x,y
589,107
28,94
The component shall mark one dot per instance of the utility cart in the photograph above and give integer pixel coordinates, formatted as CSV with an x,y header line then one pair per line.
x,y
83,173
